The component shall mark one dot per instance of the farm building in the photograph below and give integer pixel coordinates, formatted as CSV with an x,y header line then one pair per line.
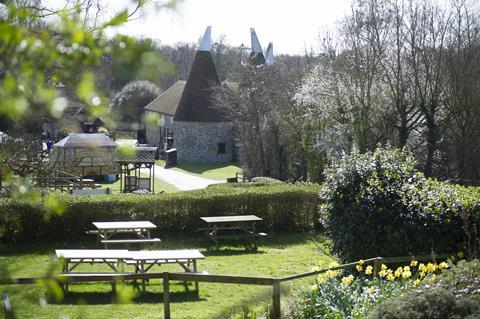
x,y
85,154
184,112
201,132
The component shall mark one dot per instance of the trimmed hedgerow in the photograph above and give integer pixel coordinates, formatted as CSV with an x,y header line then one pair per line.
x,y
377,204
283,207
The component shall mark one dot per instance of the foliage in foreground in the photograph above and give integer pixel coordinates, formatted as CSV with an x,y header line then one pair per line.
x,y
354,296
283,207
453,295
377,204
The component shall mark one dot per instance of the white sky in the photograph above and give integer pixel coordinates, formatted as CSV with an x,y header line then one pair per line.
x,y
292,26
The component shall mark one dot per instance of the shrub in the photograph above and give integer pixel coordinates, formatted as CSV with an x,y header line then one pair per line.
x,y
283,207
454,295
377,204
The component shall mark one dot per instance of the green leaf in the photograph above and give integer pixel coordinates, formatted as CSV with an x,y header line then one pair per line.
x,y
117,20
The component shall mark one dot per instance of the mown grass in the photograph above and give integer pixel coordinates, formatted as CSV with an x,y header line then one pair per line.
x,y
278,255
159,187
218,171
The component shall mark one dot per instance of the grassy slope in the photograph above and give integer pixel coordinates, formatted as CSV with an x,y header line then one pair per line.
x,y
278,255
219,171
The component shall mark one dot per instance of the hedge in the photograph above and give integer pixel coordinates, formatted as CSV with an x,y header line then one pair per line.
x,y
283,207
378,204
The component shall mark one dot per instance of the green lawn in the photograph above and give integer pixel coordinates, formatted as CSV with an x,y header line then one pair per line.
x,y
160,186
219,171
278,255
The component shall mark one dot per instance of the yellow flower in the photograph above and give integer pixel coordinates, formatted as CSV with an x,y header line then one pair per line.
x,y
460,255
321,278
382,273
431,268
422,274
416,282
368,270
442,265
433,277
361,262
398,272
406,274
359,268
384,267
414,263
333,264
406,269
391,277
347,280
371,290
331,273
422,267
314,288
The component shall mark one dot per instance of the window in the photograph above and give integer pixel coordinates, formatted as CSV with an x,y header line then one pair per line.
x,y
221,148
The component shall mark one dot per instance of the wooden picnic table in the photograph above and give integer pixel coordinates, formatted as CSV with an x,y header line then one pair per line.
x,y
145,260
242,226
141,230
116,259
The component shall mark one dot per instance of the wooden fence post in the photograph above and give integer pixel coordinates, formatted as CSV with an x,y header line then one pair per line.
x,y
166,296
376,267
276,300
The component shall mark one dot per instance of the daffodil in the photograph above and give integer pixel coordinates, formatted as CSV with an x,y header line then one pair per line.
x,y
321,278
382,273
314,288
391,277
442,265
460,255
384,267
406,274
431,268
347,280
368,270
361,262
433,277
398,272
422,267
416,282
359,268
414,263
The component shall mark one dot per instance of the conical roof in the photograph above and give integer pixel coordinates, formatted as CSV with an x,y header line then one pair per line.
x,y
196,102
256,57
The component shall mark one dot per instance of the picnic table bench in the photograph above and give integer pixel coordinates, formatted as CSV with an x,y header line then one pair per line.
x,y
239,227
116,259
141,230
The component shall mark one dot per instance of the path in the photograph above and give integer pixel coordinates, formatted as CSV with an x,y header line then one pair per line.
x,y
182,181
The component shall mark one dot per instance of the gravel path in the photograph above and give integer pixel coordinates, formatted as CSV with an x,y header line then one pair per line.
x,y
182,181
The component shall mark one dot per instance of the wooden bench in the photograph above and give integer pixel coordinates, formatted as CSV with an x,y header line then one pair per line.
x,y
233,227
152,241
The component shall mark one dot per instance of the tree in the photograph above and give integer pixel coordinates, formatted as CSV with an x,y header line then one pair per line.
x,y
127,105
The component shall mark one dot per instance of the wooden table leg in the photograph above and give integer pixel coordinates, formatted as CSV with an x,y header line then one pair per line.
x,y
197,289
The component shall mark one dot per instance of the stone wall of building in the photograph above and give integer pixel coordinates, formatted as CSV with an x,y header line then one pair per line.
x,y
199,141
154,128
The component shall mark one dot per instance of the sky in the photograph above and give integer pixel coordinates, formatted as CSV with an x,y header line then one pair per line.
x,y
292,26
